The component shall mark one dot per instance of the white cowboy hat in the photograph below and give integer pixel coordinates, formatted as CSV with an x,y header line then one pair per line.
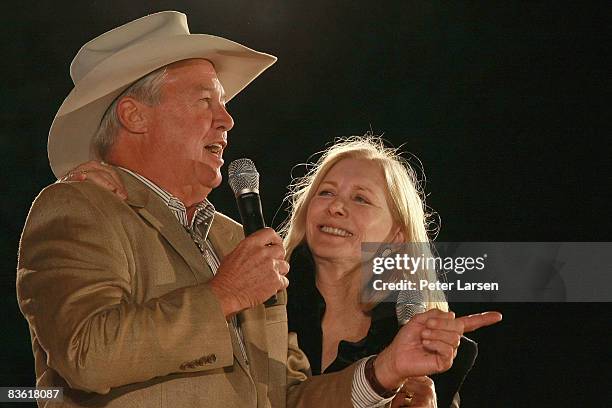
x,y
108,64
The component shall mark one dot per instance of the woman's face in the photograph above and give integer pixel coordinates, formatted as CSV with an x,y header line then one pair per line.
x,y
349,207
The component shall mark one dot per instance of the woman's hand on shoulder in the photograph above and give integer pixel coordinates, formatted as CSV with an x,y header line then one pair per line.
x,y
99,173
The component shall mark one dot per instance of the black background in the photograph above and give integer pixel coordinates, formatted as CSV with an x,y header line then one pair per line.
x,y
503,103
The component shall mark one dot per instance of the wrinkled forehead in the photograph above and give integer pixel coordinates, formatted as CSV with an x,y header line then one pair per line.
x,y
196,74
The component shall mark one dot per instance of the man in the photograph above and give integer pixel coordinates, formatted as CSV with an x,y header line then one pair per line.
x,y
158,300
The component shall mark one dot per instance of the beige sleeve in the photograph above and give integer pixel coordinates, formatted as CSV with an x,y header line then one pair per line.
x,y
327,390
74,286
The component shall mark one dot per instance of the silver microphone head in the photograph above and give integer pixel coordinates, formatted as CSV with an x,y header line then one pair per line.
x,y
243,177
409,303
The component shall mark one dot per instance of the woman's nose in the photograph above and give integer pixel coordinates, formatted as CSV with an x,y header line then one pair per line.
x,y
337,208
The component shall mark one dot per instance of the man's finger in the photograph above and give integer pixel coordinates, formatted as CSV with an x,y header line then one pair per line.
x,y
284,282
266,236
281,266
476,321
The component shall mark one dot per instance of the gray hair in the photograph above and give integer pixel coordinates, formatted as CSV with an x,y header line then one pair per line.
x,y
146,90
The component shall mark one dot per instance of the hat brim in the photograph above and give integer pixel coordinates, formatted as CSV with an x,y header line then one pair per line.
x,y
77,120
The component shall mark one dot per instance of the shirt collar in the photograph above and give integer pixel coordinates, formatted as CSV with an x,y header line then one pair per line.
x,y
204,212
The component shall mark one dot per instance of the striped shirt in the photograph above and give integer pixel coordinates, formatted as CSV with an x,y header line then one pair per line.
x,y
362,394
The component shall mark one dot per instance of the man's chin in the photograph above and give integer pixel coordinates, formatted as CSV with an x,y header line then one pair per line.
x,y
208,176
217,182
211,180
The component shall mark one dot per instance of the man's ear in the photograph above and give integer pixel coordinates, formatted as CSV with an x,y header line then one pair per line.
x,y
132,114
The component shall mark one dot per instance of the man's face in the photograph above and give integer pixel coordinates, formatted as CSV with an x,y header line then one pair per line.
x,y
187,130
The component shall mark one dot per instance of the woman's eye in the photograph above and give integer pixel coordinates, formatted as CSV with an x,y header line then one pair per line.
x,y
325,193
362,200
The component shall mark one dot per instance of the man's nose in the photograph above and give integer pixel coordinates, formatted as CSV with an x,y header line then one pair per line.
x,y
223,120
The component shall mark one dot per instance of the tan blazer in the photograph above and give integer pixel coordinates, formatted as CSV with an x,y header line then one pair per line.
x,y
119,314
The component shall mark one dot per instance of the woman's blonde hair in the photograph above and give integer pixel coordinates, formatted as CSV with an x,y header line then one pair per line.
x,y
405,198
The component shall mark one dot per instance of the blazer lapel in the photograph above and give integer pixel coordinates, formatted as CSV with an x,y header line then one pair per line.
x,y
224,236
156,213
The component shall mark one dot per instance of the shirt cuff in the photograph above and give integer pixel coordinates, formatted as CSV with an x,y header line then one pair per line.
x,y
362,394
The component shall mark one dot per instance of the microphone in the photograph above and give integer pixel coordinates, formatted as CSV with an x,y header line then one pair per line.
x,y
448,383
244,181
408,304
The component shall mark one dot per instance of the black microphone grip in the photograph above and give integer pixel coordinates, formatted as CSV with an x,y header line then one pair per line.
x,y
249,207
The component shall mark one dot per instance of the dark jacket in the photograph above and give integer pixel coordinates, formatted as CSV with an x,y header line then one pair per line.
x,y
305,309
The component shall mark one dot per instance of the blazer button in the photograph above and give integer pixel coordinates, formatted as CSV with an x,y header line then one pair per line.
x,y
207,359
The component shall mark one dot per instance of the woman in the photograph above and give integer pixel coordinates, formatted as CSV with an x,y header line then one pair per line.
x,y
358,191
